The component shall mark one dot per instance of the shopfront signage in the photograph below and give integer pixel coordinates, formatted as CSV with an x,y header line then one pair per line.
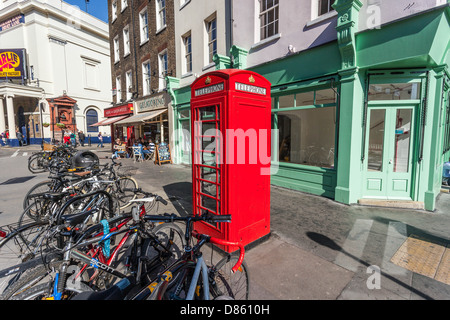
x,y
152,103
210,89
249,88
11,22
119,110
12,63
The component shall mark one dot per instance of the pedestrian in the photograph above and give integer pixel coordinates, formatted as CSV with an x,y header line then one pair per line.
x,y
73,139
66,139
19,136
100,140
81,137
4,138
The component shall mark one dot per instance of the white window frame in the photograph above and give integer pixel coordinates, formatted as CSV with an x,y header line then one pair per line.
x,y
208,54
126,40
118,89
129,84
275,21
315,17
144,35
146,78
160,25
123,4
185,54
113,10
116,49
93,83
161,69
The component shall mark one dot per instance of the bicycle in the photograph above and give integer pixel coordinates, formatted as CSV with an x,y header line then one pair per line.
x,y
181,280
157,242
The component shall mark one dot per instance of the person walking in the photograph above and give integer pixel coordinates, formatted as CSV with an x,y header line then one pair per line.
x,y
81,137
73,139
100,140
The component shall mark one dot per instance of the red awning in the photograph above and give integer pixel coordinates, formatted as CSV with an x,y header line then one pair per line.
x,y
108,121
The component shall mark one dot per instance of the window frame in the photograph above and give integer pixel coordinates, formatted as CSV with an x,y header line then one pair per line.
x,y
129,84
209,40
161,75
160,10
126,40
187,66
116,48
113,10
144,36
275,22
118,89
276,110
146,78
123,5
90,128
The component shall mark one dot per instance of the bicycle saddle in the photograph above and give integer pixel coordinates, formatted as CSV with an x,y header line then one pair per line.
x,y
76,218
116,292
55,196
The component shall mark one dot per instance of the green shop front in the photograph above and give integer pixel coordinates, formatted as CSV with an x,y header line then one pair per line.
x,y
364,119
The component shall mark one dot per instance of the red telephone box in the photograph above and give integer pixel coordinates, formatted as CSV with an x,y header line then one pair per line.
x,y
231,130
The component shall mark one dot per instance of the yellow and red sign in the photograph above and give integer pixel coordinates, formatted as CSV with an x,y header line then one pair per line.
x,y
11,64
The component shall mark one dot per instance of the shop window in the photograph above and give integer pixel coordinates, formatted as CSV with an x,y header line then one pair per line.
x,y
91,118
268,18
394,91
306,124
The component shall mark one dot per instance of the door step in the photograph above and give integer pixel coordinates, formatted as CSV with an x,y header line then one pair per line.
x,y
404,204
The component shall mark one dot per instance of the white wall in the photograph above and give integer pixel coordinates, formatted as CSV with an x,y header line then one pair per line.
x,y
60,41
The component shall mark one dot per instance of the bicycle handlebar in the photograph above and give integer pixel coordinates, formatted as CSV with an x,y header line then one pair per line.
x,y
224,243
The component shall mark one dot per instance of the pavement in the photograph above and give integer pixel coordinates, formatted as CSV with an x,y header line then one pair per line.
x,y
319,249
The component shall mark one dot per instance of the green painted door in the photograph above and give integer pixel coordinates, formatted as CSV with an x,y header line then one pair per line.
x,y
389,155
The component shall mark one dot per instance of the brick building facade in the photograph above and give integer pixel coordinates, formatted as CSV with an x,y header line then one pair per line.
x,y
142,55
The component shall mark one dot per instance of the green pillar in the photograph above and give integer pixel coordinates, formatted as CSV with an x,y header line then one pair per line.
x,y
239,57
351,102
222,62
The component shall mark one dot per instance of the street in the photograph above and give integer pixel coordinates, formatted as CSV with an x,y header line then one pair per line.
x,y
318,249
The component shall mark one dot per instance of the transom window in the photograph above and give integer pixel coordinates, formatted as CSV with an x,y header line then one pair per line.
x,y
268,18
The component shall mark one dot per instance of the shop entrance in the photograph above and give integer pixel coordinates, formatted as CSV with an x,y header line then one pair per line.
x,y
389,152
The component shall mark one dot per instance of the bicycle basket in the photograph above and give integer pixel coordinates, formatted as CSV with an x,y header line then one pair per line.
x,y
48,147
126,171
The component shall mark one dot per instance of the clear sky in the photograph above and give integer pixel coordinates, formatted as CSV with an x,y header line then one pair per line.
x,y
97,8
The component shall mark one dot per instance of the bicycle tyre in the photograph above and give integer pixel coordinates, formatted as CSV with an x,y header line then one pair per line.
x,y
227,284
35,164
31,287
128,185
172,238
41,187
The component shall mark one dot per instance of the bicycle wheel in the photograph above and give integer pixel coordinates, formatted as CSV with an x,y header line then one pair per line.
x,y
171,238
40,188
35,163
127,186
38,282
226,284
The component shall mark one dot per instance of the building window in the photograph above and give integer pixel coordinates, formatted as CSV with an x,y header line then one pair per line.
x,y
91,118
306,124
124,4
129,84
143,25
325,6
162,59
114,10
118,90
126,41
146,78
268,18
91,74
160,14
116,49
187,53
394,91
211,30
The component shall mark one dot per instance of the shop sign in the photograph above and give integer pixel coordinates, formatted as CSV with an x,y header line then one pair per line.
x,y
11,22
12,63
152,103
249,88
119,110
